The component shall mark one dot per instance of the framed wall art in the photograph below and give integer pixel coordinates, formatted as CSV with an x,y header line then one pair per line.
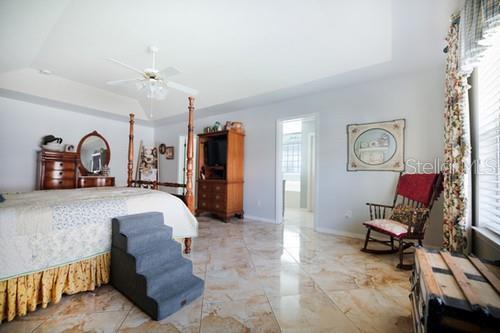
x,y
169,152
162,148
376,146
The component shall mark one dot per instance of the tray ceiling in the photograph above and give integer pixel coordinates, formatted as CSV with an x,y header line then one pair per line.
x,y
227,50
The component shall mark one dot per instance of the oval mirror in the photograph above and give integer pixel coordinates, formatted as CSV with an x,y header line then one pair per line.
x,y
94,154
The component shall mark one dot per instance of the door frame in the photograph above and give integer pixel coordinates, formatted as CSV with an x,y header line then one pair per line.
x,y
279,175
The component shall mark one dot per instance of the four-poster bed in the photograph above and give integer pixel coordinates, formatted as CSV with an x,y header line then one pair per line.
x,y
56,242
187,196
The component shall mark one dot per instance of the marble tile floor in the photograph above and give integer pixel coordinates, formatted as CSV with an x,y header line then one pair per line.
x,y
259,278
298,217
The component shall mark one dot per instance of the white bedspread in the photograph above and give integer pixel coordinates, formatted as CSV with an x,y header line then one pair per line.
x,y
44,229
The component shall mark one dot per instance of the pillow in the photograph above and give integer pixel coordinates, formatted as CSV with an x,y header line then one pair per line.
x,y
409,215
2,199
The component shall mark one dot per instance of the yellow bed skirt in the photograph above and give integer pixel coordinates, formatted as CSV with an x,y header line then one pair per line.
x,y
23,294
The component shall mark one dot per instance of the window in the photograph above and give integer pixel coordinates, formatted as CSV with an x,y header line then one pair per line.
x,y
487,141
292,140
291,153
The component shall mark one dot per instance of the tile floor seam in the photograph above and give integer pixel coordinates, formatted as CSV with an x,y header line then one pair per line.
x,y
267,297
33,330
125,318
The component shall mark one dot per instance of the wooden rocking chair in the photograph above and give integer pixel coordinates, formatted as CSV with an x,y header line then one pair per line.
x,y
415,196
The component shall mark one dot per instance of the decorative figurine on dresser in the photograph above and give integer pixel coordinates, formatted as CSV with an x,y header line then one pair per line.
x,y
87,167
220,173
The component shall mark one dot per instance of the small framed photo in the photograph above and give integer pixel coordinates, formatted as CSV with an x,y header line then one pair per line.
x,y
169,152
376,146
162,148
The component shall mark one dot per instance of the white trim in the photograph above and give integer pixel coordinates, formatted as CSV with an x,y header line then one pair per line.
x,y
259,219
181,154
279,175
488,235
340,233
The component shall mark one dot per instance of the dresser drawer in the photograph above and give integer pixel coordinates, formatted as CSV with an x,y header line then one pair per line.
x,y
212,186
61,183
211,204
60,165
214,196
96,181
60,174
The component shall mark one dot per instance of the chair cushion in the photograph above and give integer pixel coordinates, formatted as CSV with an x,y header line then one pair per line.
x,y
408,214
389,227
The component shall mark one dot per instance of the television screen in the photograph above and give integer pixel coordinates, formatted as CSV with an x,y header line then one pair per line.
x,y
215,152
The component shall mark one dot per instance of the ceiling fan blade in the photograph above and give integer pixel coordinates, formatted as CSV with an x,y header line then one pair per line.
x,y
117,82
126,66
169,71
181,87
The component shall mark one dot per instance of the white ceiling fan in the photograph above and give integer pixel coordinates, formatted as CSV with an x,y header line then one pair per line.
x,y
152,80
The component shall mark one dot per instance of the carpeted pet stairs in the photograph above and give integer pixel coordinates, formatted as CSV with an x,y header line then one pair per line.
x,y
147,265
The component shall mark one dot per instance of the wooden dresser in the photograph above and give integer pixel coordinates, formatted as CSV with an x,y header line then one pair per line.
x,y
57,170
220,177
454,293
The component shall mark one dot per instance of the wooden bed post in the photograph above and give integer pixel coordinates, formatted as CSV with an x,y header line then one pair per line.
x,y
130,164
189,168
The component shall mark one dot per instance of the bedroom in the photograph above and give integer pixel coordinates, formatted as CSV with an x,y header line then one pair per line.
x,y
252,64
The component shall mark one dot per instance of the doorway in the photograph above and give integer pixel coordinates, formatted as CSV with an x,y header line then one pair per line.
x,y
296,171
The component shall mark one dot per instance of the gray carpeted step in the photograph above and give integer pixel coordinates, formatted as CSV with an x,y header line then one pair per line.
x,y
179,295
147,265
165,252
137,240
160,277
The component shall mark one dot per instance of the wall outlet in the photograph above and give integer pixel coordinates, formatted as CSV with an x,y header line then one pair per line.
x,y
348,215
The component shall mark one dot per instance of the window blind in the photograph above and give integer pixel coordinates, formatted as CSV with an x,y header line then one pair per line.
x,y
488,140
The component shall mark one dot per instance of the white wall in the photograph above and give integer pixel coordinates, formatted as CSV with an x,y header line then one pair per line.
x,y
23,124
417,97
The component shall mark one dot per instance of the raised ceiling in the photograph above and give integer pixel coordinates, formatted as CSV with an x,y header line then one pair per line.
x,y
227,50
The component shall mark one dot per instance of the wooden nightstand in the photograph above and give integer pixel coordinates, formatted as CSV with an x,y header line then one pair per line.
x,y
95,181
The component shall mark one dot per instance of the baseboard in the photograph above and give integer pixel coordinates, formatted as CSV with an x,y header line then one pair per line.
x,y
340,233
259,219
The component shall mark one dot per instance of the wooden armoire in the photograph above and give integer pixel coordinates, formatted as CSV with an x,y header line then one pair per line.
x,y
220,174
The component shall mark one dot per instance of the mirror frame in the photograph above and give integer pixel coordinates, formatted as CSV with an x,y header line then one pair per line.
x,y
83,170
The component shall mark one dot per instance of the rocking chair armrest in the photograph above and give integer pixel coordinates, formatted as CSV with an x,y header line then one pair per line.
x,y
378,211
379,205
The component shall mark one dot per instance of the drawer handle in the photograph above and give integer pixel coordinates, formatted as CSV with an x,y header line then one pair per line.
x,y
60,173
217,188
217,206
204,195
217,197
60,182
204,187
203,204
61,164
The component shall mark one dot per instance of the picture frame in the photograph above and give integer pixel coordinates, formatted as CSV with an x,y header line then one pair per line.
x,y
169,152
162,148
377,146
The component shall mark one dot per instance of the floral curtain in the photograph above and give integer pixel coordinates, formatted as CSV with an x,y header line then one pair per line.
x,y
456,148
479,27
